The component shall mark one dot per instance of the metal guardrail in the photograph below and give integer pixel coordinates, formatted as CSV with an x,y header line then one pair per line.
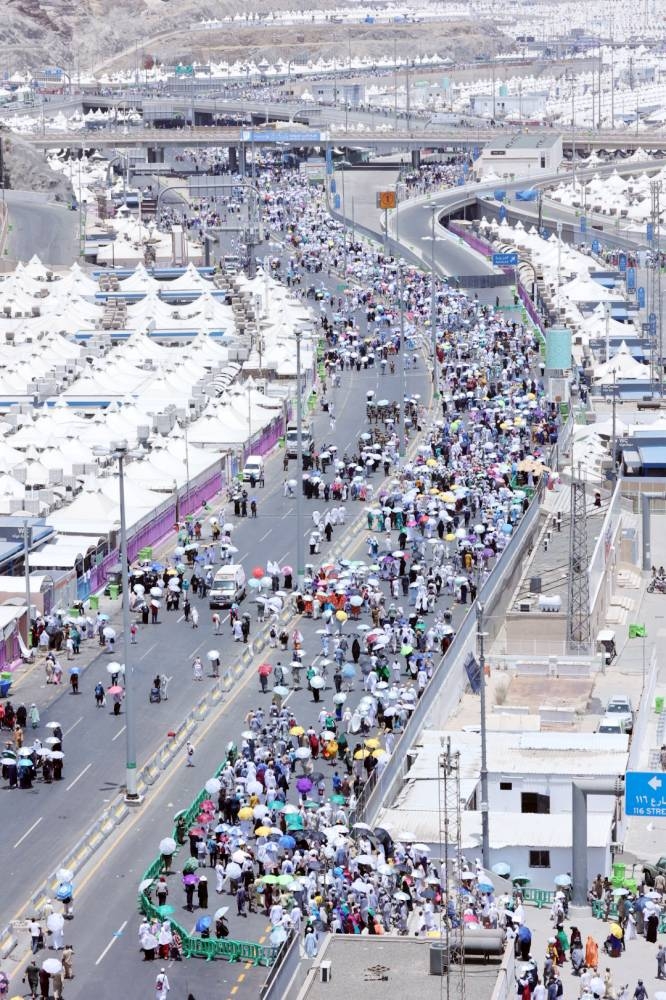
x,y
383,788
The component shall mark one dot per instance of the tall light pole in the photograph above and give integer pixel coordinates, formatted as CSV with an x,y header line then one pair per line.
x,y
433,311
485,831
403,360
187,462
119,450
27,542
300,545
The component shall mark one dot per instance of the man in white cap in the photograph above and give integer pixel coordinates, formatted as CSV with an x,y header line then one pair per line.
x,y
161,985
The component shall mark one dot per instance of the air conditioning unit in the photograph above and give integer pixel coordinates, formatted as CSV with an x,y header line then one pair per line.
x,y
525,605
325,972
551,603
535,585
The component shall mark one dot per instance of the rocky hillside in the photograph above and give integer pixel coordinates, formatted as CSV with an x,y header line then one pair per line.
x,y
114,33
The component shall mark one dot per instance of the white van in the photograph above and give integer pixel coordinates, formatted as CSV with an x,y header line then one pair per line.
x,y
228,587
254,469
618,724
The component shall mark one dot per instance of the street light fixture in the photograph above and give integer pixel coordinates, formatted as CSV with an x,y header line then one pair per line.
x,y
119,450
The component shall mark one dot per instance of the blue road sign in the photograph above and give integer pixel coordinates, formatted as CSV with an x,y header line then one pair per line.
x,y
505,260
333,186
502,213
622,262
280,135
475,152
640,295
631,279
596,246
652,323
329,160
337,203
645,793
583,223
650,232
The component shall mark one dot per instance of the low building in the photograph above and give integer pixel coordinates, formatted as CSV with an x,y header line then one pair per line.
x,y
520,155
530,775
522,107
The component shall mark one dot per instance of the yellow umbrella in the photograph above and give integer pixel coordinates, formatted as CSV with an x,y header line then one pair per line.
x,y
378,753
362,754
262,831
448,497
434,491
373,743
296,731
341,616
450,537
246,812
431,462
615,930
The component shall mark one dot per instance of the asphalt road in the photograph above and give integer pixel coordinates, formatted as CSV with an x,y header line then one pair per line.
x,y
42,824
37,222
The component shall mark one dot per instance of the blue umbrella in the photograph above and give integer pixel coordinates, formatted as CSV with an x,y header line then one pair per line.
x,y
486,887
502,869
287,842
73,670
64,890
348,670
562,880
157,567
203,924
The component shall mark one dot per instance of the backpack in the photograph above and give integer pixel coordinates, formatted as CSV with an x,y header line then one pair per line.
x,y
159,983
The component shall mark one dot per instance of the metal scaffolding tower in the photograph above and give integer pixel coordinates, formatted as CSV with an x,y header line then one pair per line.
x,y
656,324
578,623
452,927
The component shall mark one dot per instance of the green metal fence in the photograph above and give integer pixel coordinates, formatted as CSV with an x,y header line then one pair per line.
x,y
198,947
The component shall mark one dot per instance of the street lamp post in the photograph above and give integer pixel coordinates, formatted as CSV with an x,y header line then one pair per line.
x,y
403,361
433,312
119,450
300,546
485,832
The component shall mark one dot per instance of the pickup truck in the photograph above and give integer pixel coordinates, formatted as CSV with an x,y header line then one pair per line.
x,y
651,871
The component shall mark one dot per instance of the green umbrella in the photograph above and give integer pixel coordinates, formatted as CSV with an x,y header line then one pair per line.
x,y
166,910
338,800
276,804
284,879
406,650
190,866
520,880
294,822
269,879
311,804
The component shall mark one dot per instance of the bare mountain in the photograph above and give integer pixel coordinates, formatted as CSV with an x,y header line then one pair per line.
x,y
120,33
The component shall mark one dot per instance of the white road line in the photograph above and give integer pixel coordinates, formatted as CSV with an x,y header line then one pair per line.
x,y
68,731
28,832
86,768
119,733
266,535
112,941
181,617
195,651
149,650
286,514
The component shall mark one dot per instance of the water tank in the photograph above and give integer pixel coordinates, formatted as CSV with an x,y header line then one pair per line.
x,y
503,90
439,960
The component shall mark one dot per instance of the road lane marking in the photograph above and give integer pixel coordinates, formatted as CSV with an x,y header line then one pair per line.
x,y
119,733
68,731
28,832
112,941
266,535
86,768
149,650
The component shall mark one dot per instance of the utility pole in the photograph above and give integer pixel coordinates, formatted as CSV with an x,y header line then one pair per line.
x,y
300,546
403,361
485,831
578,612
433,312
27,542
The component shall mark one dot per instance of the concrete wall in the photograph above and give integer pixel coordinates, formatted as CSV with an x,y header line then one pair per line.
x,y
558,787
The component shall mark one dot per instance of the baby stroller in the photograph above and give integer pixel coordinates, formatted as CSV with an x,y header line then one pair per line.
x,y
155,695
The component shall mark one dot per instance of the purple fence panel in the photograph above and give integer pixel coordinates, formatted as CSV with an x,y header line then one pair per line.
x,y
199,494
475,242
151,532
264,441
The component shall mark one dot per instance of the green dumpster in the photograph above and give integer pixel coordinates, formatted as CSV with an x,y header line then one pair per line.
x,y
659,704
94,602
73,612
114,590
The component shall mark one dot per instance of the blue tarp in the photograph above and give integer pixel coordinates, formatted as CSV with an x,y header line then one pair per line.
x,y
530,195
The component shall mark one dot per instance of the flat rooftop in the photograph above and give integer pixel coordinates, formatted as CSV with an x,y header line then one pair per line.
x,y
406,968
522,141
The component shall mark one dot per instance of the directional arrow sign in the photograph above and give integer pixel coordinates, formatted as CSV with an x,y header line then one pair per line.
x,y
505,260
644,794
